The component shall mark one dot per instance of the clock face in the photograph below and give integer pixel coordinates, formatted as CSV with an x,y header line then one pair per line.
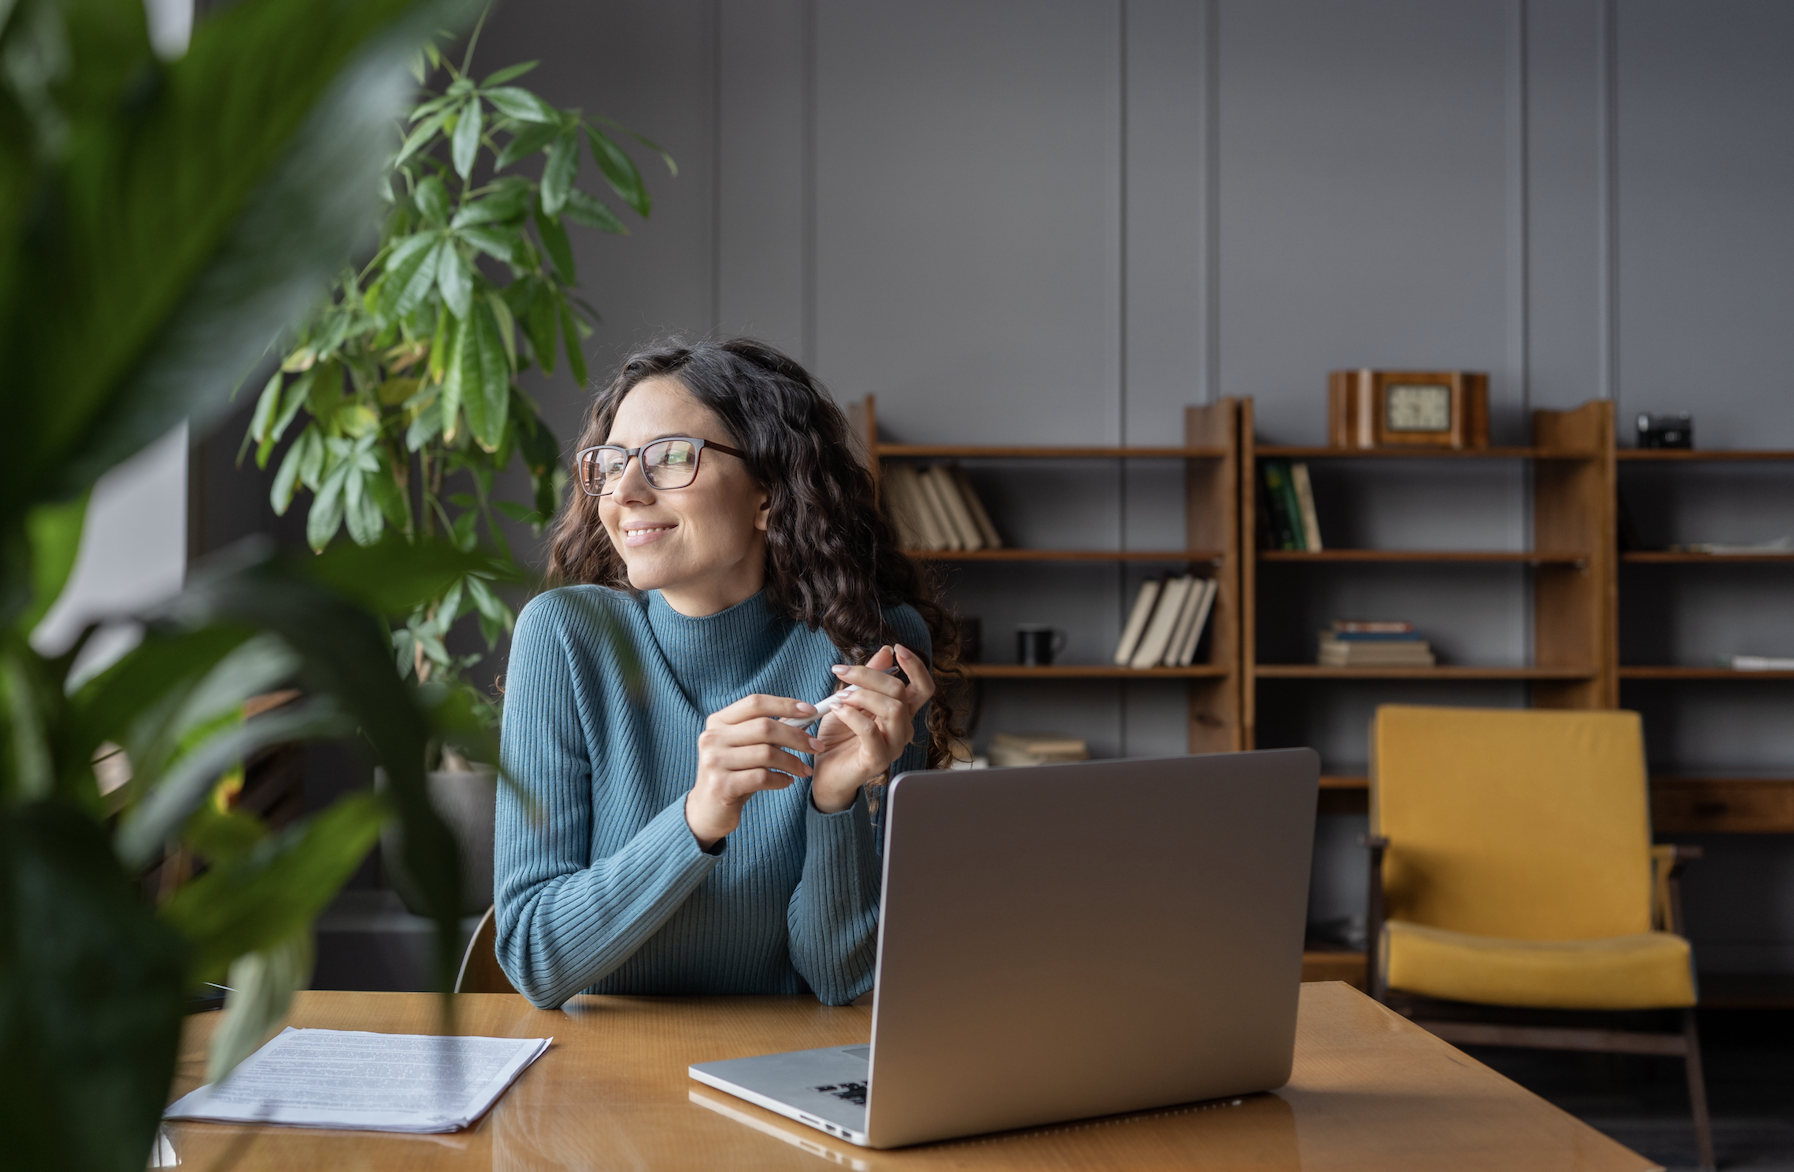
x,y
1417,407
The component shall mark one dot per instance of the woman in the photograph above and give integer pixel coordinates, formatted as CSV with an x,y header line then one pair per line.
x,y
727,570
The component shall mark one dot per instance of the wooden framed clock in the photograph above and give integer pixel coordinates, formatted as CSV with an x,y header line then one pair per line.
x,y
1408,409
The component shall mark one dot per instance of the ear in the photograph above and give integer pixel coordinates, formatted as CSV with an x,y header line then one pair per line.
x,y
763,513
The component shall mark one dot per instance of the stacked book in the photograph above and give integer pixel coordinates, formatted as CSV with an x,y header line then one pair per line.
x,y
936,509
1036,749
1374,644
1286,502
1166,623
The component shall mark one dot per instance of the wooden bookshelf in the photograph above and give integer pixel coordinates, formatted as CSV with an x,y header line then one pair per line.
x,y
1499,557
1208,556
1704,455
1093,671
1210,456
1008,452
1571,566
1443,672
1677,557
1692,797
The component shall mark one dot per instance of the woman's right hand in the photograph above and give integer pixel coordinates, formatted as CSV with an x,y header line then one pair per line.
x,y
739,751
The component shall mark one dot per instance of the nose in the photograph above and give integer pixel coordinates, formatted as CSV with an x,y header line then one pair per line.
x,y
632,485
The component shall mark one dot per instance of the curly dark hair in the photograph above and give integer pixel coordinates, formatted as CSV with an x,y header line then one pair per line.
x,y
832,557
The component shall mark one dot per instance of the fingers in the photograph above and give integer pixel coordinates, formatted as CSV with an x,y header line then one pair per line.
x,y
756,706
743,741
921,680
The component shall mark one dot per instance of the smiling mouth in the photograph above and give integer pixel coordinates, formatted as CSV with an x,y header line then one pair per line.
x,y
643,534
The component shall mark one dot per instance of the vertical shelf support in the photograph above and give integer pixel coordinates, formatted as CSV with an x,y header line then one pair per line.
x,y
1212,521
1575,622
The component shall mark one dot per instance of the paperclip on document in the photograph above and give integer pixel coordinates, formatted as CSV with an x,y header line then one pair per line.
x,y
361,1081
827,705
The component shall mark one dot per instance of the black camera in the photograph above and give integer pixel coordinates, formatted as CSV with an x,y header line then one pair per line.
x,y
1666,431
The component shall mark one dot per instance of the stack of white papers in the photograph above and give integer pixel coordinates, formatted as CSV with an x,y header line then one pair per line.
x,y
364,1082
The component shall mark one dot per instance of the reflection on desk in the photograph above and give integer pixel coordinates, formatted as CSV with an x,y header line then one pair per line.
x,y
1370,1091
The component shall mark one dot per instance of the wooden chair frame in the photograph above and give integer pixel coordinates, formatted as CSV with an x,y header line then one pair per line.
x,y
1666,865
480,972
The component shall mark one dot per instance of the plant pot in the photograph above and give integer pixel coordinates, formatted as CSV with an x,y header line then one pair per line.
x,y
468,802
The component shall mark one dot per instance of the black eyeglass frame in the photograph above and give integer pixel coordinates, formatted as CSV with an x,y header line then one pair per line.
x,y
629,454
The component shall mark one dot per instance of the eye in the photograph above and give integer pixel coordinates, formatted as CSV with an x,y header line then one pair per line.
x,y
675,454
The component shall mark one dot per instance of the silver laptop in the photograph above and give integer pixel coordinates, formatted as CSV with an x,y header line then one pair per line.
x,y
1063,941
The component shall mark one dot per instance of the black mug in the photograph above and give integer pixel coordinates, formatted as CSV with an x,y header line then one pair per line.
x,y
1035,645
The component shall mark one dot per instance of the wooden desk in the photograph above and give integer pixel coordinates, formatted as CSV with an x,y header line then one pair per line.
x,y
1370,1091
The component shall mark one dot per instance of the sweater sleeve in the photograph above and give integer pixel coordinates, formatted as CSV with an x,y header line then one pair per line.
x,y
565,921
833,914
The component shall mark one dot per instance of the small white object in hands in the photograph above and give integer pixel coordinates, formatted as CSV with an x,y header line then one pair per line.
x,y
828,704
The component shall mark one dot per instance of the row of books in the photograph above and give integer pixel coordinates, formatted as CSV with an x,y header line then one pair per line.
x,y
1373,643
1287,505
1036,749
935,508
1167,621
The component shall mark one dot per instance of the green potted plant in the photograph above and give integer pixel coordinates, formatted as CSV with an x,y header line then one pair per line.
x,y
399,390
160,221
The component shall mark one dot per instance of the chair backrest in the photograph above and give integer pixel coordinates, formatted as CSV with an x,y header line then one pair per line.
x,y
479,966
1528,824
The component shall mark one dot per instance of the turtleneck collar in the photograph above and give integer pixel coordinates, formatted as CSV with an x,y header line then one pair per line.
x,y
717,653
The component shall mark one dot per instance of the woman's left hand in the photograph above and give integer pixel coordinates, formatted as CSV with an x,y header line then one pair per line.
x,y
858,740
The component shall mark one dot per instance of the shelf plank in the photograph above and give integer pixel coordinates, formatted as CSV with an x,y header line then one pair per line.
x,y
1330,964
1311,671
1664,672
1066,555
1091,671
1662,556
1011,452
1293,452
1339,781
1697,455
1418,555
1722,805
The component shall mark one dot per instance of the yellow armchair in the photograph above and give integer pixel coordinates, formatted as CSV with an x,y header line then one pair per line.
x,y
1512,866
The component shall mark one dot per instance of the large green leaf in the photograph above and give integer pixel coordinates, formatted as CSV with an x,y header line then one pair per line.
x,y
247,170
619,171
393,578
54,532
558,172
486,374
90,998
345,654
261,984
274,889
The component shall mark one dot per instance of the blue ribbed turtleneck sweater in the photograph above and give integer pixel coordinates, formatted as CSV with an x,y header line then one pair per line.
x,y
603,889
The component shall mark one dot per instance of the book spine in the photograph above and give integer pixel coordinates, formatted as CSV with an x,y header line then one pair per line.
x,y
992,539
1136,621
940,525
1311,525
1276,475
1187,654
1292,508
957,513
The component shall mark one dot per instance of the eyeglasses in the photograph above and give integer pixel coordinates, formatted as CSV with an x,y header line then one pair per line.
x,y
666,463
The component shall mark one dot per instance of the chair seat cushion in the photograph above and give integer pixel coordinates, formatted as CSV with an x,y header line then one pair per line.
x,y
1650,970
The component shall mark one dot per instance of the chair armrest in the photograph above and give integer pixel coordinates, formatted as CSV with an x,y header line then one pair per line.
x,y
1376,845
1667,861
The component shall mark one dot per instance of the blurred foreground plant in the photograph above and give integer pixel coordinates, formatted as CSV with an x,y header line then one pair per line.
x,y
160,223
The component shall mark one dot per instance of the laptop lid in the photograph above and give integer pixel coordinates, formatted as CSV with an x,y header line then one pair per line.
x,y
1063,941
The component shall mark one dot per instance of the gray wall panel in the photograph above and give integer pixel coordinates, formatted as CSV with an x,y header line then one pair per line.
x,y
763,187
1362,187
967,216
1563,202
1705,157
